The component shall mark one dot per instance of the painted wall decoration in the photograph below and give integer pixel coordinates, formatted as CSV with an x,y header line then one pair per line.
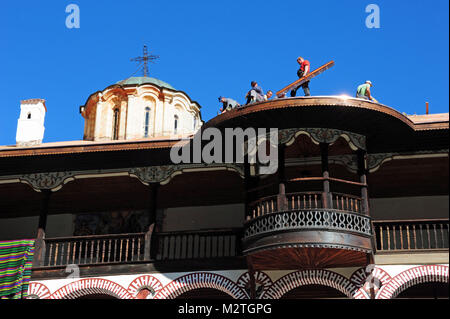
x,y
117,222
393,280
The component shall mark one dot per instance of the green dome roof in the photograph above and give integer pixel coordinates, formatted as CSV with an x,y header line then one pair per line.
x,y
138,80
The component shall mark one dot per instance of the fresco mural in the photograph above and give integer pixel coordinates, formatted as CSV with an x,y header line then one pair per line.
x,y
117,222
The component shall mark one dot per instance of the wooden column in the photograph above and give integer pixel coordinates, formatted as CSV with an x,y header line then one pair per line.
x,y
362,172
251,272
39,245
247,187
281,198
150,238
326,200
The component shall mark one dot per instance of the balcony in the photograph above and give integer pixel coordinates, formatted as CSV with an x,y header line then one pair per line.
x,y
412,235
197,249
308,230
305,233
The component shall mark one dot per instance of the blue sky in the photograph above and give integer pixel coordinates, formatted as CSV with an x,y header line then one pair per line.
x,y
212,48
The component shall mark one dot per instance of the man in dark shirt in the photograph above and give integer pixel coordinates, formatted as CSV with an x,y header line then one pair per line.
x,y
305,68
256,94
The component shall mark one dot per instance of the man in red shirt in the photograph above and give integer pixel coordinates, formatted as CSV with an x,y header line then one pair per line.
x,y
303,71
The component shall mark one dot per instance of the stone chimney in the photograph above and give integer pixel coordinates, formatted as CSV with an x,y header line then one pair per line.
x,y
30,126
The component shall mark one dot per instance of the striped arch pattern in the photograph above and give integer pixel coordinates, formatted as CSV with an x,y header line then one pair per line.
x,y
414,276
261,278
36,290
145,281
360,279
200,280
91,286
310,277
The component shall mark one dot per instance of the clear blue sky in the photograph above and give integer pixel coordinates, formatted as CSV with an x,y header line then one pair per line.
x,y
211,48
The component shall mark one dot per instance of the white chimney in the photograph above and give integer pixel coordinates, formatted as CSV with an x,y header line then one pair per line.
x,y
30,126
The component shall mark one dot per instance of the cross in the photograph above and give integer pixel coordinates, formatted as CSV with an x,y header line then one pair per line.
x,y
145,59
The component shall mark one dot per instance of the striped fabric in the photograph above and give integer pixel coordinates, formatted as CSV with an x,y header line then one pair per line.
x,y
16,258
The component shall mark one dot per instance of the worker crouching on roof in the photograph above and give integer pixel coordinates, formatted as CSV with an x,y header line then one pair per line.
x,y
305,68
363,91
256,94
228,104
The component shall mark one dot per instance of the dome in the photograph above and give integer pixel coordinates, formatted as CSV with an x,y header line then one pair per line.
x,y
139,80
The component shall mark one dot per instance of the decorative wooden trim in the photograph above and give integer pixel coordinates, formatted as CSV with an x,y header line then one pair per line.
x,y
315,219
322,135
149,174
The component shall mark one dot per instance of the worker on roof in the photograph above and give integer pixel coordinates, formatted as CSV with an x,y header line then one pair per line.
x,y
256,94
268,95
363,91
228,104
304,69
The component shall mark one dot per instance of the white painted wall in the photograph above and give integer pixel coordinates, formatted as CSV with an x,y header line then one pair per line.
x,y
30,126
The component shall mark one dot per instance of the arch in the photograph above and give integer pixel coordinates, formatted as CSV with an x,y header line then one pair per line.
x,y
310,277
182,102
314,291
90,286
200,280
204,293
411,277
144,282
37,290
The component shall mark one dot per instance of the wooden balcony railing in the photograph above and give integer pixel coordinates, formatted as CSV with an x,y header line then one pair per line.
x,y
301,220
305,200
97,249
198,245
401,235
346,202
129,248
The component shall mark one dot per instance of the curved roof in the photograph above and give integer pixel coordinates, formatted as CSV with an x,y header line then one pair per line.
x,y
386,129
139,80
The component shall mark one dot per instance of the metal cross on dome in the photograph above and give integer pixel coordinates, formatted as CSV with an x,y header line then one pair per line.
x,y
145,59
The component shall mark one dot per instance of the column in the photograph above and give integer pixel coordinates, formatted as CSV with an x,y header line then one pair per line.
x,y
362,172
39,245
246,187
326,200
282,204
150,238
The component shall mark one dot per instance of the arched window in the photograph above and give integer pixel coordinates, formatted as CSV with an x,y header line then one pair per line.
x,y
116,124
175,124
195,122
29,116
146,122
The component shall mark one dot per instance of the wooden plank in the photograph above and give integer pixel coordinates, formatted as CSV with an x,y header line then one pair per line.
x,y
306,78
